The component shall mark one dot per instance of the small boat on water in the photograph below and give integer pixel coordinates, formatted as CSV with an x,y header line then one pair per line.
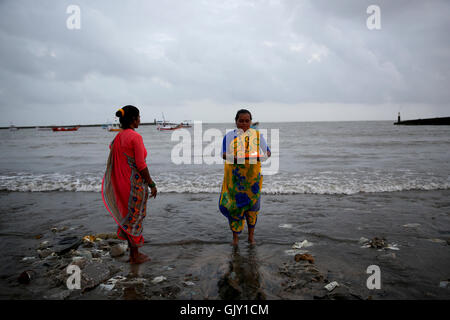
x,y
113,127
186,124
55,129
167,127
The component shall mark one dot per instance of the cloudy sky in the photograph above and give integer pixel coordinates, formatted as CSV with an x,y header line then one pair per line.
x,y
297,60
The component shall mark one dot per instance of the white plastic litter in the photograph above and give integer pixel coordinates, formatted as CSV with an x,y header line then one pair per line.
x,y
285,225
110,284
437,240
411,225
303,244
330,287
159,279
392,247
294,252
28,258
363,240
189,283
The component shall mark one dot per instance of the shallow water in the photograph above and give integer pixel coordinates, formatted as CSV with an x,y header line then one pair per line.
x,y
189,241
313,158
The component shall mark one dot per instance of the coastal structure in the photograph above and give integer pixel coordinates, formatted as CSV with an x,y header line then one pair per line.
x,y
424,122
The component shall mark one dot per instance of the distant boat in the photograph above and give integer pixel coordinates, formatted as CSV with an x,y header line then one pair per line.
x,y
186,124
66,128
13,128
113,127
166,127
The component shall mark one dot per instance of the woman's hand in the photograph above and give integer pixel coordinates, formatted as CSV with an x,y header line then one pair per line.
x,y
153,192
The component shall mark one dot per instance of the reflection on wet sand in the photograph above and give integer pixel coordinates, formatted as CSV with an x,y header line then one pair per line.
x,y
243,280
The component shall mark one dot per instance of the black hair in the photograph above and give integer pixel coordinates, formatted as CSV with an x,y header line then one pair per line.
x,y
242,111
129,114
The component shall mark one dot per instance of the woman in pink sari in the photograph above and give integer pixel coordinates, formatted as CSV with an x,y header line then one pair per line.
x,y
126,181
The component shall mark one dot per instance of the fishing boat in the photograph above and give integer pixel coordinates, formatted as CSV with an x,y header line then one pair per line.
x,y
113,127
166,127
65,128
186,124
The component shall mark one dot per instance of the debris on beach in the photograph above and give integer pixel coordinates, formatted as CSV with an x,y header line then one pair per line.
x,y
437,240
444,284
285,225
118,250
26,276
306,257
304,244
305,281
158,279
28,258
411,225
377,243
88,238
331,286
293,252
66,244
55,229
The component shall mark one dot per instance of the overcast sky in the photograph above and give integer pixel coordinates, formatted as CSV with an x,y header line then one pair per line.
x,y
203,60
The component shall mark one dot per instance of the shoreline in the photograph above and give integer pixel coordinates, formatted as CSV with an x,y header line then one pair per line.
x,y
189,243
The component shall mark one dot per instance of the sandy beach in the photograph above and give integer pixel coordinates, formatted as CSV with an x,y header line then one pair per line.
x,y
189,243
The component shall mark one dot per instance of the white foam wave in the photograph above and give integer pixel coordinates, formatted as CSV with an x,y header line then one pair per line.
x,y
211,183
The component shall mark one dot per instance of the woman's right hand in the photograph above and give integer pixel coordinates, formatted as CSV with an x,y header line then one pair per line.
x,y
153,192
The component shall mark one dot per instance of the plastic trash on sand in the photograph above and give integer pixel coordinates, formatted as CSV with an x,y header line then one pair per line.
x,y
303,244
294,252
285,226
330,287
89,238
411,225
158,279
110,284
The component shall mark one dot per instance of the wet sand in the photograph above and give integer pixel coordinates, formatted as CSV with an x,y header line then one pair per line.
x,y
189,243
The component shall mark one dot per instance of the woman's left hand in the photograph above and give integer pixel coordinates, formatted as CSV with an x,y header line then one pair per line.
x,y
153,192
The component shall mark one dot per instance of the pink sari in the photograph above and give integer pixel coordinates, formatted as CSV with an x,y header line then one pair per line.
x,y
124,191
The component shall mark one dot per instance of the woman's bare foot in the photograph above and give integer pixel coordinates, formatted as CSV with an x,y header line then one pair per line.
x,y
235,240
141,258
251,238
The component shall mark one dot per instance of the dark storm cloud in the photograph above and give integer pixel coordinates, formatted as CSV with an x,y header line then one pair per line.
x,y
172,54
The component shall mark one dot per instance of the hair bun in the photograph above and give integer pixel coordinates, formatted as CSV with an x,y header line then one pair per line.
x,y
120,113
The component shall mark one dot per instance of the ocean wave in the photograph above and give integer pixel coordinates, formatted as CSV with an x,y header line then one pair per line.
x,y
193,183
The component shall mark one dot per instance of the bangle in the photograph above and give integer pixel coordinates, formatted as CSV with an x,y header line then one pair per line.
x,y
152,185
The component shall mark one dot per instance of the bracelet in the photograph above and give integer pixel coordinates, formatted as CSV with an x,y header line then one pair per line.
x,y
152,185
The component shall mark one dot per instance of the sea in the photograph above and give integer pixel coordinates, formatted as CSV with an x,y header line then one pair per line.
x,y
307,158
329,190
